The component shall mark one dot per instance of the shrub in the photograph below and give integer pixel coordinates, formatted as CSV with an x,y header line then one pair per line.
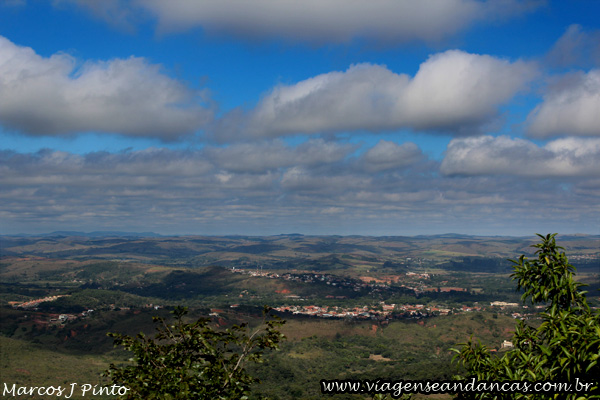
x,y
193,360
564,347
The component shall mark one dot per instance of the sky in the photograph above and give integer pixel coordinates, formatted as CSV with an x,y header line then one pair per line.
x,y
320,117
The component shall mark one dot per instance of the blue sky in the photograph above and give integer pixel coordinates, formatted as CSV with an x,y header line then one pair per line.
x,y
376,117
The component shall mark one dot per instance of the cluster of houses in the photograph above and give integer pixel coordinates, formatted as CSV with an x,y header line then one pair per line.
x,y
338,312
63,318
503,304
342,282
383,311
413,284
391,311
306,277
32,304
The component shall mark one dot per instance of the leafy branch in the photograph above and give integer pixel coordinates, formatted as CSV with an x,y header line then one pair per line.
x,y
193,360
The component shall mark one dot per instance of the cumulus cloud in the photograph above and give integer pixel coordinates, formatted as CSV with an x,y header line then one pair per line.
x,y
453,91
56,96
488,155
570,107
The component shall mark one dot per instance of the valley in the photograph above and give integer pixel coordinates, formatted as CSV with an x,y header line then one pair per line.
x,y
355,307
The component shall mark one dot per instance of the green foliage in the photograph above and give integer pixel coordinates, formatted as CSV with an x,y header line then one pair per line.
x,y
564,347
193,360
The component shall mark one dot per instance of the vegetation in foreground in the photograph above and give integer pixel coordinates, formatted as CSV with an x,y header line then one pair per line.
x,y
193,360
564,347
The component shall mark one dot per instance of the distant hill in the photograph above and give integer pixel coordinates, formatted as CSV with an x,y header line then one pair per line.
x,y
457,252
95,234
104,234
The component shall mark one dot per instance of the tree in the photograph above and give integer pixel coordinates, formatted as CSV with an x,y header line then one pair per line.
x,y
193,360
564,347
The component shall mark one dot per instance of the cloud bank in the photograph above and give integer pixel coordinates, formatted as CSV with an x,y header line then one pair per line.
x,y
273,187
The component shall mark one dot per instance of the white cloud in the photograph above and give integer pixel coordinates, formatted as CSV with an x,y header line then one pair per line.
x,y
387,155
273,155
453,91
571,107
324,21
56,96
488,155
